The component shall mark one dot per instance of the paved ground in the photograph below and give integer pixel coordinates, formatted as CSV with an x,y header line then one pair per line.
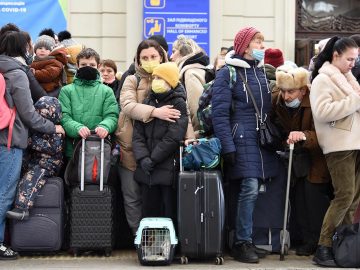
x,y
128,260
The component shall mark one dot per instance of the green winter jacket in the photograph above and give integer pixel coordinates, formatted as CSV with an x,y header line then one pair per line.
x,y
87,103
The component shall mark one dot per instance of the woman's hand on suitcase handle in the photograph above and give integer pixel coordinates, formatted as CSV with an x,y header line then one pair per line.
x,y
101,132
296,136
84,132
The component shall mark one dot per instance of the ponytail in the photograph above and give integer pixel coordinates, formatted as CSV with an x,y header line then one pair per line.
x,y
324,55
335,44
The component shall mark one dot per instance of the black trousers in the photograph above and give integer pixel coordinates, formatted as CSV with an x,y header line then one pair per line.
x,y
309,203
158,201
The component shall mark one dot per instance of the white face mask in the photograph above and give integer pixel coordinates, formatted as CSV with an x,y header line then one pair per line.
x,y
293,104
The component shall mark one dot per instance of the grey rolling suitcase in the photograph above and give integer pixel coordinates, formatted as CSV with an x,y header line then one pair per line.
x,y
91,213
201,214
44,230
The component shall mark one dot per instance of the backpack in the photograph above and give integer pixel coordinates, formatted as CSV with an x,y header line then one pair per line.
x,y
7,114
204,154
204,112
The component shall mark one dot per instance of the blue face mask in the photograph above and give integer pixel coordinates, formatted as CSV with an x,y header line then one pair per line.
x,y
293,104
258,54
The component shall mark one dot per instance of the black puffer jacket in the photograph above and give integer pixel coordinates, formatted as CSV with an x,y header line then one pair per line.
x,y
160,139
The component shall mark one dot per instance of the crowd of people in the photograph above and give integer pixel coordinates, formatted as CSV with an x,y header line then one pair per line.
x,y
63,90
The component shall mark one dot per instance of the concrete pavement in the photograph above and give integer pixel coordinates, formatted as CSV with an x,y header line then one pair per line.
x,y
127,259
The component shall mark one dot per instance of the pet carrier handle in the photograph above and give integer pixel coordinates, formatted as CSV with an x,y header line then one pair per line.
x,y
82,176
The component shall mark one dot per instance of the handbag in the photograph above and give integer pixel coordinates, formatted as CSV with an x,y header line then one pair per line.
x,y
269,134
346,245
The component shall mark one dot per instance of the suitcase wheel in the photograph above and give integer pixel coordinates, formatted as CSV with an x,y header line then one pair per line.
x,y
107,252
76,252
219,260
184,260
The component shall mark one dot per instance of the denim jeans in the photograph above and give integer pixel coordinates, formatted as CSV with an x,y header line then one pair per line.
x,y
10,167
245,208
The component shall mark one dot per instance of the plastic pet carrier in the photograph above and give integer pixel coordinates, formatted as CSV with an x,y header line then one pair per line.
x,y
155,241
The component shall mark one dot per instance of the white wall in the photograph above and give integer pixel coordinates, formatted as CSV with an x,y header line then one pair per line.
x,y
114,27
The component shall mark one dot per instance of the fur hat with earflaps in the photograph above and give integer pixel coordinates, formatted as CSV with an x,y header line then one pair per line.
x,y
288,77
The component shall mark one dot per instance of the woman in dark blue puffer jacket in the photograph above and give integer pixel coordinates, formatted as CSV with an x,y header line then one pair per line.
x,y
235,124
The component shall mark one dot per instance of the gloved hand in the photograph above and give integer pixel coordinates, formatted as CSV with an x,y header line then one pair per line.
x,y
147,165
229,158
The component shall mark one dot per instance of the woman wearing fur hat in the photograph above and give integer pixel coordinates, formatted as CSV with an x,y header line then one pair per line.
x,y
335,103
156,144
48,65
236,125
192,61
312,191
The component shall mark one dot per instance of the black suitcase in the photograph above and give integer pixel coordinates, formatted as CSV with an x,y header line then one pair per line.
x,y
201,214
268,225
44,230
91,213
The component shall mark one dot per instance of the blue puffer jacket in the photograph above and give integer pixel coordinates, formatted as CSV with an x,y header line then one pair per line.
x,y
235,122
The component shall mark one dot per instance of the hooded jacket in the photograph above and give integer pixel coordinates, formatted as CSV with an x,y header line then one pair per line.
x,y
234,118
87,103
132,96
335,103
46,150
160,139
49,70
18,95
192,71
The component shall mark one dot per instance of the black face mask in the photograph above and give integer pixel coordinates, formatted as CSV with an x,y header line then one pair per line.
x,y
87,73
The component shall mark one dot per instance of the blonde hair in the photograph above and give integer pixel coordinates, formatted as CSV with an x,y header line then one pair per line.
x,y
185,45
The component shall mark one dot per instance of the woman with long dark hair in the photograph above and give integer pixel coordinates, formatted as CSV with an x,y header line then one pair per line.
x,y
13,47
335,103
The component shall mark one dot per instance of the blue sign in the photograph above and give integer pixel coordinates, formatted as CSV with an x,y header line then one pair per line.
x,y
34,15
171,18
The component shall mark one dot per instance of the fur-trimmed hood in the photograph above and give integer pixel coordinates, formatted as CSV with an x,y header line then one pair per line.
x,y
288,77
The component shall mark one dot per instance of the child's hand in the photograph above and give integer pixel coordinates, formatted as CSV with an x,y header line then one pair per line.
x,y
101,132
84,132
32,70
59,129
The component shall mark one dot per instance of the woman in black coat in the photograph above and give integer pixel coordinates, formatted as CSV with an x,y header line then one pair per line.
x,y
156,144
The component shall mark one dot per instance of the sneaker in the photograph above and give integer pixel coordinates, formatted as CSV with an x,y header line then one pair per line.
x,y
306,249
7,253
18,214
324,257
245,252
259,251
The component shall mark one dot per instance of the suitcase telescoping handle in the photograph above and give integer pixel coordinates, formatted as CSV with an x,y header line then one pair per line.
x,y
182,143
82,177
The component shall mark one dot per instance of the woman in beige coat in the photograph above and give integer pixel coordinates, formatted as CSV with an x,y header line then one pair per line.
x,y
135,89
335,103
192,62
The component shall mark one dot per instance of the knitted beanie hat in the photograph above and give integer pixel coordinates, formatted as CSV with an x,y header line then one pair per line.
x,y
288,77
274,57
243,39
169,72
44,41
161,40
